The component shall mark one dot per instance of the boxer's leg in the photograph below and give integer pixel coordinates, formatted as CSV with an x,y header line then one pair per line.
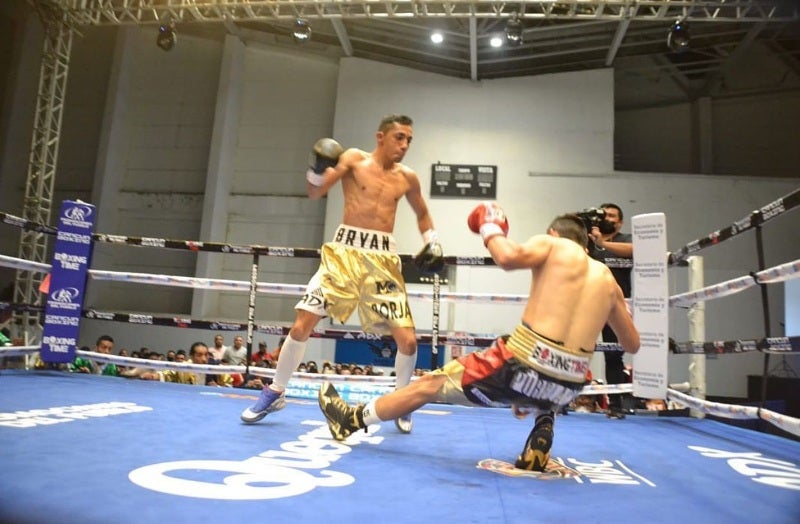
x,y
536,453
344,420
272,396
404,364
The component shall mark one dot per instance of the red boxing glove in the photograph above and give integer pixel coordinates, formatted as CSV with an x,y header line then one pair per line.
x,y
489,220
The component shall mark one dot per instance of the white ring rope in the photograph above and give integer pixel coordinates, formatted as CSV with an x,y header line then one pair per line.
x,y
277,289
788,424
780,273
214,369
24,265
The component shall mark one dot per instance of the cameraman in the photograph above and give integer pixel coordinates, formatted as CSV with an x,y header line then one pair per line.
x,y
615,250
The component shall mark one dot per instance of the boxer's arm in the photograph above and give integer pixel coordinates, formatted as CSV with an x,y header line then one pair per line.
x,y
418,204
511,255
621,322
489,220
331,175
430,258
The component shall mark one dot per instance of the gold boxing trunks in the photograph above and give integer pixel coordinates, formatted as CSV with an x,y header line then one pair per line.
x,y
360,269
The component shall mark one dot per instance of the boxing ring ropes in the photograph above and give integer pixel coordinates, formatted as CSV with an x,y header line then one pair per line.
x,y
693,300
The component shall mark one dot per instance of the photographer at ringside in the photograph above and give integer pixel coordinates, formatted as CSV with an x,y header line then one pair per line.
x,y
615,250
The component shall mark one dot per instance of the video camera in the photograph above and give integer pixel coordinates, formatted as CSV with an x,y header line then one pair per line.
x,y
595,217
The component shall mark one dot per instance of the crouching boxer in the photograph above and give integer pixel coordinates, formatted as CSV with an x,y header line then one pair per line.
x,y
542,365
359,268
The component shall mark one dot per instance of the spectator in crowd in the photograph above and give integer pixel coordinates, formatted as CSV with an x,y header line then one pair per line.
x,y
122,353
217,351
590,403
198,354
5,341
277,351
104,345
236,355
262,354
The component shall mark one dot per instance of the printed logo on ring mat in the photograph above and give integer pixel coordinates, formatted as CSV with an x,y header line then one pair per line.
x,y
553,470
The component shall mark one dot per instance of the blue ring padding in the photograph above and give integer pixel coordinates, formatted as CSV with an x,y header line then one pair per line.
x,y
351,392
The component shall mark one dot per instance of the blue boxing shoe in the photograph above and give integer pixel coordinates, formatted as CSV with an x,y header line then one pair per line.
x,y
268,402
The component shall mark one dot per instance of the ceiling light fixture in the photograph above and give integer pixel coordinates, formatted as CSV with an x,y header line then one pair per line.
x,y
167,36
678,37
301,31
514,30
437,37
496,41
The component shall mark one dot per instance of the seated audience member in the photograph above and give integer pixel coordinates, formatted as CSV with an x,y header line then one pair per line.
x,y
655,404
198,354
104,345
236,355
277,351
5,341
261,355
122,353
217,351
143,372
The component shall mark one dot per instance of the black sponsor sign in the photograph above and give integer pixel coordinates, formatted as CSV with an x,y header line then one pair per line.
x,y
463,181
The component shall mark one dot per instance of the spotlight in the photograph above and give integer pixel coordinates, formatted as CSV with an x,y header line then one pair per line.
x,y
301,31
437,37
496,41
678,37
166,35
514,31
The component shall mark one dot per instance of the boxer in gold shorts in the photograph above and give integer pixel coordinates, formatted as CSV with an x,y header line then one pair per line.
x,y
542,365
359,269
